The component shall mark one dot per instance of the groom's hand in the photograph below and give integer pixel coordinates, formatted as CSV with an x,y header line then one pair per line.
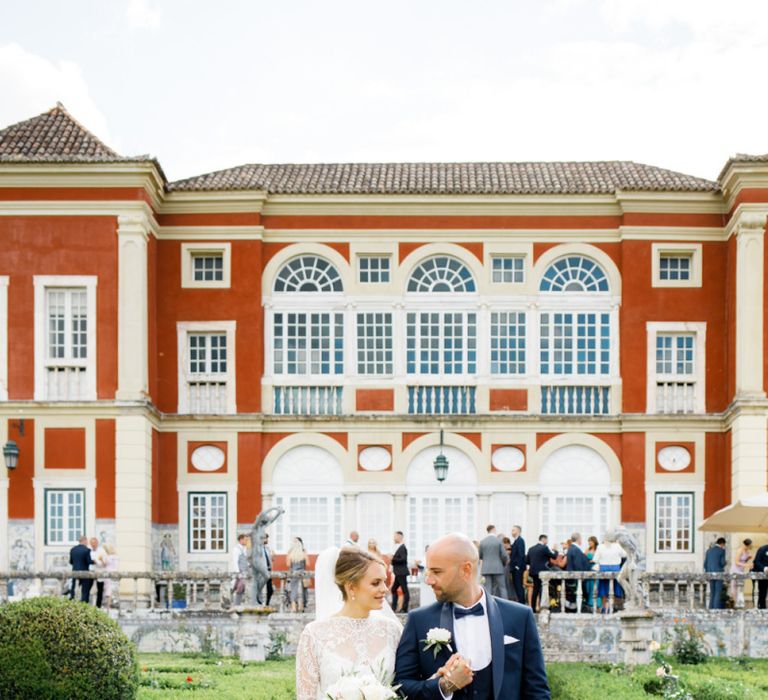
x,y
456,674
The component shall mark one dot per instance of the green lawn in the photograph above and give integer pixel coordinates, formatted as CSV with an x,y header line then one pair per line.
x,y
224,678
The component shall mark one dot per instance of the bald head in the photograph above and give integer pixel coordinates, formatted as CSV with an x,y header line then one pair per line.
x,y
456,548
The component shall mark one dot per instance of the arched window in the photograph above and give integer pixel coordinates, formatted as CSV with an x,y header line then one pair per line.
x,y
441,273
308,273
574,273
308,336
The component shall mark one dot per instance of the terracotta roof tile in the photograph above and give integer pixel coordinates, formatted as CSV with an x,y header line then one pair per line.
x,y
599,177
53,136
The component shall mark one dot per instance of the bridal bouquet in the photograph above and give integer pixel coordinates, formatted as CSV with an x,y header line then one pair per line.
x,y
357,688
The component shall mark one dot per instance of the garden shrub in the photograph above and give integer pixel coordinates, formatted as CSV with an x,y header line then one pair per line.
x,y
688,645
57,649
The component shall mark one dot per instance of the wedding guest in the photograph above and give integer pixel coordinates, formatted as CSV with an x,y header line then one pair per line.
x,y
112,564
760,566
400,570
742,563
353,539
80,560
592,544
714,563
608,556
99,559
507,544
239,568
538,559
517,564
494,560
297,563
576,560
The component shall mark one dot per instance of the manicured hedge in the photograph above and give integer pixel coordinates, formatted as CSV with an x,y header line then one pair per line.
x,y
56,649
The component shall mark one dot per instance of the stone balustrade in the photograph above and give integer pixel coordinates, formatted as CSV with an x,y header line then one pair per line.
x,y
142,590
661,590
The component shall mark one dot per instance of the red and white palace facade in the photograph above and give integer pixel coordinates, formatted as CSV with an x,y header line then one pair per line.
x,y
177,356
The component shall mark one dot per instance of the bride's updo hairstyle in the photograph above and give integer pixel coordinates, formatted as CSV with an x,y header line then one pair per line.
x,y
351,567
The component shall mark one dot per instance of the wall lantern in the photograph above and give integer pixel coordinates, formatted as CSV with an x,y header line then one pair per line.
x,y
441,462
11,454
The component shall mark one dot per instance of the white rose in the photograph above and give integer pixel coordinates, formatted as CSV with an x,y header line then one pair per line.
x,y
654,646
438,634
660,672
346,688
375,691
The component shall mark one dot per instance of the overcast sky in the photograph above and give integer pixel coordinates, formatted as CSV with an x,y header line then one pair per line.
x,y
208,85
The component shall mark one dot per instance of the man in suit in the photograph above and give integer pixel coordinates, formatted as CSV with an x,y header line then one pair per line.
x,y
714,563
493,653
352,540
576,560
760,566
80,560
538,559
517,563
494,560
400,571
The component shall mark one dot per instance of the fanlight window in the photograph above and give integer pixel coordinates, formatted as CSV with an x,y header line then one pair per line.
x,y
574,273
308,273
441,274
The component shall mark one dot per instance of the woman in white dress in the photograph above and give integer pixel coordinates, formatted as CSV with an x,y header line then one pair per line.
x,y
351,641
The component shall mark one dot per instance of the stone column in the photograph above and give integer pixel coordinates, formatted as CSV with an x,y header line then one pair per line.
x,y
483,513
615,512
132,331
532,518
133,492
400,514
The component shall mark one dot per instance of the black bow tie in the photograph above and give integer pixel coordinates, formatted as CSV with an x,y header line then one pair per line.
x,y
476,609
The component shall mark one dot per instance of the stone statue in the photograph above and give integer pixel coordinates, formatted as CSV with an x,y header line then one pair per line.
x,y
167,553
629,577
258,559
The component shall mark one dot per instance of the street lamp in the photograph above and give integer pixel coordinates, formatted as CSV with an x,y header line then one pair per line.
x,y
441,462
11,454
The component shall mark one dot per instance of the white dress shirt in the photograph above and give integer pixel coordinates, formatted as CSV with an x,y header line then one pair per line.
x,y
473,636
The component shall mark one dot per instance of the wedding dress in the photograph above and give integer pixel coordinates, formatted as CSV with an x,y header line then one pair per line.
x,y
333,646
340,646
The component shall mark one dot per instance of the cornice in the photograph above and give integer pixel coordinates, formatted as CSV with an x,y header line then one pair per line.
x,y
671,233
743,176
747,217
671,202
485,235
143,174
112,208
251,201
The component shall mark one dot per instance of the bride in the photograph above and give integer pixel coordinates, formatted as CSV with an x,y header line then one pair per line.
x,y
352,636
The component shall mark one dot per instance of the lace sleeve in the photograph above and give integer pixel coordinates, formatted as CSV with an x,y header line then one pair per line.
x,y
307,669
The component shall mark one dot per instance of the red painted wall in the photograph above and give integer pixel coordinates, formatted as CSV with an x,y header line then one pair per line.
x,y
633,477
717,474
153,302
166,508
21,492
249,460
51,245
64,448
105,468
240,303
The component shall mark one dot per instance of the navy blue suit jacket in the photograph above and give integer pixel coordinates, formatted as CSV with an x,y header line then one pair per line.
x,y
761,559
518,668
80,557
517,555
714,560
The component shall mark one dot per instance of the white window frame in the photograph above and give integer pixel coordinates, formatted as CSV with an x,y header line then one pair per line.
x,y
508,256
383,256
305,377
190,250
674,526
525,346
699,331
183,330
417,376
208,495
41,284
692,250
334,516
47,491
3,338
357,349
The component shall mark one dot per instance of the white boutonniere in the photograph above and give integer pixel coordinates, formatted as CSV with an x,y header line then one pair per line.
x,y
437,638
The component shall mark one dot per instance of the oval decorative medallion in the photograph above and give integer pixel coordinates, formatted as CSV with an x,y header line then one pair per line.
x,y
508,459
375,459
208,458
674,458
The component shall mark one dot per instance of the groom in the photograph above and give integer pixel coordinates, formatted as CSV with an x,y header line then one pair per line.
x,y
494,654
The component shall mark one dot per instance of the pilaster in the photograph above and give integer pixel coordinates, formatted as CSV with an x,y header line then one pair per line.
x,y
350,513
132,332
749,455
133,492
749,231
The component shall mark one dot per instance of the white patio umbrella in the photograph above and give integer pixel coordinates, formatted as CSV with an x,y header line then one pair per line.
x,y
745,515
